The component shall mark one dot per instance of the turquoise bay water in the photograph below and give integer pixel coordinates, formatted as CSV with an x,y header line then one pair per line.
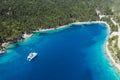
x,y
72,53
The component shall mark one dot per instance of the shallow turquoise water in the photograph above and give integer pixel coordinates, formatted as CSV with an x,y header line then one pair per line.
x,y
72,53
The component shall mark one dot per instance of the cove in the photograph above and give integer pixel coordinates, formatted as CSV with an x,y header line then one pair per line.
x,y
75,52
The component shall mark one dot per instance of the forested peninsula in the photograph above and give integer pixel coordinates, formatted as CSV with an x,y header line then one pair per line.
x,y
25,16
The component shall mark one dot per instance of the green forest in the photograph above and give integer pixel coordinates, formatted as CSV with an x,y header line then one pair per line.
x,y
19,16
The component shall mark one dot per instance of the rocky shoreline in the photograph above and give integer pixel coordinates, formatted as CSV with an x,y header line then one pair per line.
x,y
5,44
2,50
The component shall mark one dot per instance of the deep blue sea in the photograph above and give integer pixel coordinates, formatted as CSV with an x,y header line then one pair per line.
x,y
75,52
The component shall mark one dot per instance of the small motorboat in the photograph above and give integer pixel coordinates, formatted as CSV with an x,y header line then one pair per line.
x,y
31,56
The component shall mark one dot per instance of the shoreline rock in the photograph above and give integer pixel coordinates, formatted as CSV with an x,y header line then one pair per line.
x,y
2,50
26,36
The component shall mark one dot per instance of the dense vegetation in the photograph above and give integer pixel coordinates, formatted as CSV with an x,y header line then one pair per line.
x,y
18,16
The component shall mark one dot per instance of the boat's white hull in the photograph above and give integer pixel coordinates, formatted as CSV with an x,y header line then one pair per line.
x,y
31,56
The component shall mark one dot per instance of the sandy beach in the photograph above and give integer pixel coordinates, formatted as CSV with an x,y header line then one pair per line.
x,y
89,22
112,61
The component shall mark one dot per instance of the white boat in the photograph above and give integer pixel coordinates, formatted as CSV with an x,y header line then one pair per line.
x,y
31,56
